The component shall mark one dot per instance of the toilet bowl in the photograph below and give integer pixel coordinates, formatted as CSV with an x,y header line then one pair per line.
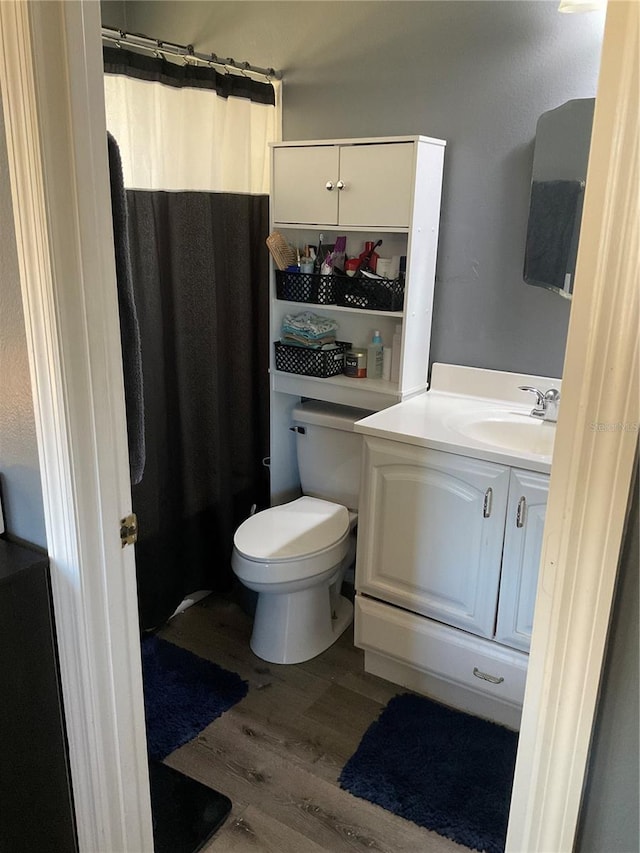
x,y
295,557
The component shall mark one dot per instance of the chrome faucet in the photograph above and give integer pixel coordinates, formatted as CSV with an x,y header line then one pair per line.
x,y
547,403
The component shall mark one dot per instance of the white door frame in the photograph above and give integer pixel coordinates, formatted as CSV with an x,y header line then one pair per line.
x,y
56,140
52,92
594,455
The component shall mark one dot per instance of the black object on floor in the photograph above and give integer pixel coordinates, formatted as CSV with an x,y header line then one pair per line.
x,y
442,769
185,813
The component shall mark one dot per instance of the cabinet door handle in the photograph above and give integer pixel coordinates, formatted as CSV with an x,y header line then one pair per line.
x,y
340,185
329,185
488,502
494,679
521,511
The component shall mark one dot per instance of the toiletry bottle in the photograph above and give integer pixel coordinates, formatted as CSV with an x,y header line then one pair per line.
x,y
374,357
386,363
369,258
395,354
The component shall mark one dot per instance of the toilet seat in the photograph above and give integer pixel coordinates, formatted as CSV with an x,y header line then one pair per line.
x,y
293,542
298,529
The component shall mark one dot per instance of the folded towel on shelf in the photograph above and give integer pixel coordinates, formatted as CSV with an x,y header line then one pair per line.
x,y
316,343
308,328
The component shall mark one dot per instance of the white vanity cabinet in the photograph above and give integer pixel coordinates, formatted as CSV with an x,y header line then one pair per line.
x,y
369,189
431,531
528,492
446,574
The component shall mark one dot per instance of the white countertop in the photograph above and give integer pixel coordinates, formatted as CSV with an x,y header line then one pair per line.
x,y
459,396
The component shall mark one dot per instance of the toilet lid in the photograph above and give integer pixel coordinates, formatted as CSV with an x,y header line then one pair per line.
x,y
291,531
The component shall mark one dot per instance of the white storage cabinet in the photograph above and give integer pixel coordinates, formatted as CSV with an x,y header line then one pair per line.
x,y
446,575
363,189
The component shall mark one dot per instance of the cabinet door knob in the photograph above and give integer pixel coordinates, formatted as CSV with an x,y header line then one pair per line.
x,y
494,679
340,185
329,185
521,511
488,502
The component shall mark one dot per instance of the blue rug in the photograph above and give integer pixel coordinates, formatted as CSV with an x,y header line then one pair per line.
x,y
440,768
183,693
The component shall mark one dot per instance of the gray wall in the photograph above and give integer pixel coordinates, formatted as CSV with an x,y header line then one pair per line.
x,y
19,468
477,74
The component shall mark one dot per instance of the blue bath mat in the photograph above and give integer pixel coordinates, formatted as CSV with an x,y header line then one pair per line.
x,y
440,768
183,693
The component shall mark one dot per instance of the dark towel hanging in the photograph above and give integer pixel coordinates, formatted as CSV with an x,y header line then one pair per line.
x,y
551,245
129,329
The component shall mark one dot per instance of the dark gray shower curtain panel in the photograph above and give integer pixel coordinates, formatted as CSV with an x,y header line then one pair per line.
x,y
200,274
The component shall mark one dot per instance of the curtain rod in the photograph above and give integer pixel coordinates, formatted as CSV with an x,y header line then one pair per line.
x,y
120,37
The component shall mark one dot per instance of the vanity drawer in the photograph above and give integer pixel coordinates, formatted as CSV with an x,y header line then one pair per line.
x,y
447,653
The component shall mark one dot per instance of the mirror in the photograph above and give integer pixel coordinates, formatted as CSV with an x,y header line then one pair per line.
x,y
560,158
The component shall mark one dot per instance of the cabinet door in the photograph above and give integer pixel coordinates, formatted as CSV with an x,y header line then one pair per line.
x,y
430,533
300,176
378,181
521,558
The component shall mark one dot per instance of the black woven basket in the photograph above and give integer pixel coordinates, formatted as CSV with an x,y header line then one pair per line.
x,y
306,287
311,362
370,293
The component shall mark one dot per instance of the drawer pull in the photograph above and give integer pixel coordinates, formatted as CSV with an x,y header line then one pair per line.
x,y
494,679
488,502
520,514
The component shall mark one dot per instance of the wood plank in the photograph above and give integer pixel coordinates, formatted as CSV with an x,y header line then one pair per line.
x,y
293,796
278,753
253,830
293,737
345,711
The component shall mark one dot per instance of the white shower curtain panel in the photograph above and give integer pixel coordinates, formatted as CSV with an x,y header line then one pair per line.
x,y
189,139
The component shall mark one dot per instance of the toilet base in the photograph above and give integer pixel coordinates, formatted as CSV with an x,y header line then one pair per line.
x,y
298,626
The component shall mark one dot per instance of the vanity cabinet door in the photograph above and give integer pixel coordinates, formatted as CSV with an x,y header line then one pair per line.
x,y
300,177
526,509
430,533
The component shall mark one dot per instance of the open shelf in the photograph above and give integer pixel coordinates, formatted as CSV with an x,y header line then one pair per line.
x,y
373,394
317,306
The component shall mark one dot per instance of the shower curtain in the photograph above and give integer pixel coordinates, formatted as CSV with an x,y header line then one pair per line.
x,y
194,150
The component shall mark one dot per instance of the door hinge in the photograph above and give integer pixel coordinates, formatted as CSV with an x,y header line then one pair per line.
x,y
129,530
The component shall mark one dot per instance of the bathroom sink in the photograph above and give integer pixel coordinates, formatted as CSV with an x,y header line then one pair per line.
x,y
508,430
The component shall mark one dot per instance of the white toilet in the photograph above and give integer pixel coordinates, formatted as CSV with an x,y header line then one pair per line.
x,y
295,555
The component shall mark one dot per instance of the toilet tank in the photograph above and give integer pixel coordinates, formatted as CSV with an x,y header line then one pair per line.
x,y
329,451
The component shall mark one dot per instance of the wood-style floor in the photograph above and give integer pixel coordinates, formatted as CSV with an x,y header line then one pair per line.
x,y
278,753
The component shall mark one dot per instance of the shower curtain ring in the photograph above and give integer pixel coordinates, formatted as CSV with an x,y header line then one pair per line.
x,y
189,54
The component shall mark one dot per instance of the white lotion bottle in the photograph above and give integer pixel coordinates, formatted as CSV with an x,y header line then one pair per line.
x,y
386,363
395,354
